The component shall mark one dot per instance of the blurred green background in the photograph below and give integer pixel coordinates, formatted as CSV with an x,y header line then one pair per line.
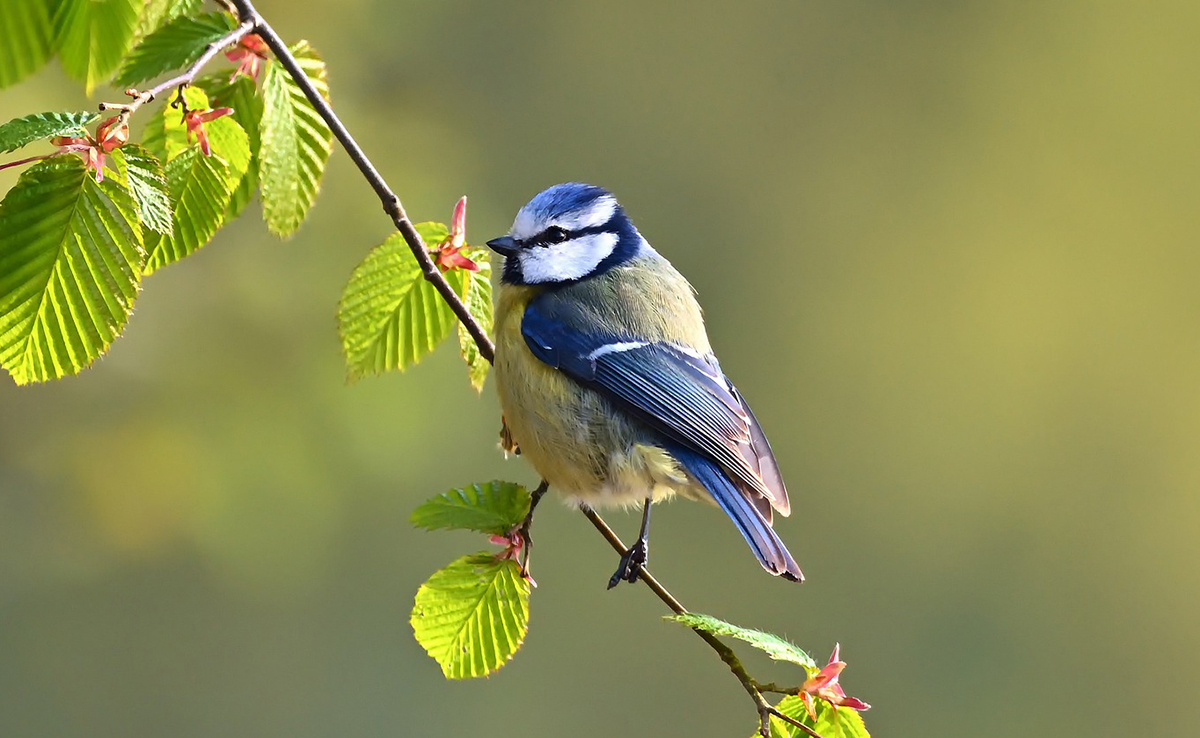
x,y
947,250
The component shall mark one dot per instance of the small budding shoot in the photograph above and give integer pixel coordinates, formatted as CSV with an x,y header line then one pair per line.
x,y
111,134
195,120
249,53
511,543
824,684
448,253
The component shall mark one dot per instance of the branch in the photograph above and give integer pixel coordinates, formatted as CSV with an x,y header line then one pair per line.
x,y
391,203
141,98
752,687
182,80
392,206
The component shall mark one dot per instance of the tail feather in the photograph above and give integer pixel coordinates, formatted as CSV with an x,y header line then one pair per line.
x,y
750,522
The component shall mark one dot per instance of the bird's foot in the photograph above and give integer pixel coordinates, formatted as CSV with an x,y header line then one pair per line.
x,y
631,564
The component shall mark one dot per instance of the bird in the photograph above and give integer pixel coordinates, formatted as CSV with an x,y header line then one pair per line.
x,y
608,384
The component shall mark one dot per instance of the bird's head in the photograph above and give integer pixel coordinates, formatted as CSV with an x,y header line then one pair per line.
x,y
567,233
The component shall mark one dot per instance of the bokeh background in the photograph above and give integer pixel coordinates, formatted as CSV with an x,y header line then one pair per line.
x,y
949,251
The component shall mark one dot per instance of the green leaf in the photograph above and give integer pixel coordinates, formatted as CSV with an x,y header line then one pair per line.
x,y
475,289
390,316
148,185
295,143
92,36
158,12
70,265
174,46
774,646
25,38
831,722
241,95
492,507
201,187
23,131
432,232
472,616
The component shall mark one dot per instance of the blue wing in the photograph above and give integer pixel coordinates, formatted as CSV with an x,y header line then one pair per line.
x,y
741,508
675,391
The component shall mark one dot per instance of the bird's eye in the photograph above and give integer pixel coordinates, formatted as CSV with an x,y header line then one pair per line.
x,y
554,234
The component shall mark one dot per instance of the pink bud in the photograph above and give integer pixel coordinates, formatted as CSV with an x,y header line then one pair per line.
x,y
458,223
824,684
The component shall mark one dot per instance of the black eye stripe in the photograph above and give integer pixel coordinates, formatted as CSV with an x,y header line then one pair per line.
x,y
545,240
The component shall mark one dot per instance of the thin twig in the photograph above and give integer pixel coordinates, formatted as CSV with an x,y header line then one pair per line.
x,y
182,80
524,529
392,206
643,573
391,203
777,689
726,653
792,720
178,82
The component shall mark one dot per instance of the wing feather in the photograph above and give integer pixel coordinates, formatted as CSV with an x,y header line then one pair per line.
x,y
674,390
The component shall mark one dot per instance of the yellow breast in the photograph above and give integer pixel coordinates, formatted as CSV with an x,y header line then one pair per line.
x,y
573,437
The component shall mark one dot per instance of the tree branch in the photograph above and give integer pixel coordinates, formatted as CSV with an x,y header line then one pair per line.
x,y
726,653
392,206
182,80
391,203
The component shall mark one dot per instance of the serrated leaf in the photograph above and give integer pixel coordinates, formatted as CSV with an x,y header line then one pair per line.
x,y
201,187
148,185
432,232
296,143
389,316
475,289
70,266
92,37
173,46
769,643
490,507
472,616
831,722
23,131
157,12
241,95
25,39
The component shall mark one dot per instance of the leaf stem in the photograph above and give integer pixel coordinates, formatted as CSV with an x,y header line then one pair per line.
x,y
391,203
392,206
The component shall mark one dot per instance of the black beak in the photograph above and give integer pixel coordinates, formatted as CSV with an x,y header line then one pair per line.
x,y
505,246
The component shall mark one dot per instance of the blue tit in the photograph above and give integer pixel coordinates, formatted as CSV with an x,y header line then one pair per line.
x,y
607,381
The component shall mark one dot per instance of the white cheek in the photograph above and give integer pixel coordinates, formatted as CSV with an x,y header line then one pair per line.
x,y
572,259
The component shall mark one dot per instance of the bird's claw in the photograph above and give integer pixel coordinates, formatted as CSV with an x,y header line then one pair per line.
x,y
631,564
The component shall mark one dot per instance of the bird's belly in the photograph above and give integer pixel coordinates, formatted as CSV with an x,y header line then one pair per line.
x,y
577,441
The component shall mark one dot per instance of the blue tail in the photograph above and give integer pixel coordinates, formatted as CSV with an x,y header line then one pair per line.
x,y
757,531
